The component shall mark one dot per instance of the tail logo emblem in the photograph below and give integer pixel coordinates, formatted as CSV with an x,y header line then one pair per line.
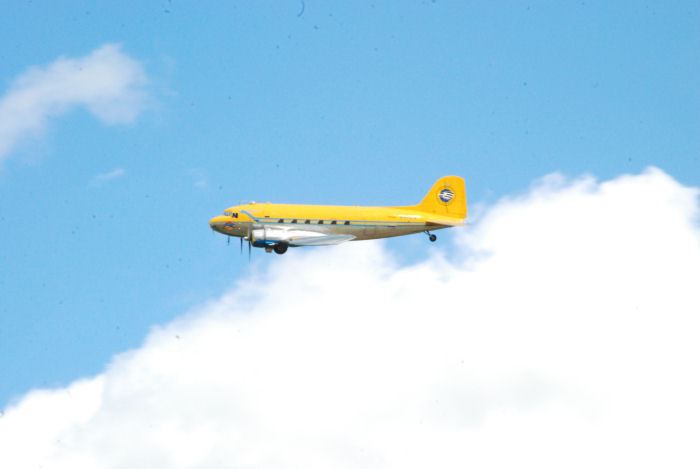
x,y
446,195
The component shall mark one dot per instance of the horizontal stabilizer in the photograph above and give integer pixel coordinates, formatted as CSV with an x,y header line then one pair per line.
x,y
445,223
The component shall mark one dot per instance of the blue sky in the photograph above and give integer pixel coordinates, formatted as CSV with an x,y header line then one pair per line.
x,y
302,102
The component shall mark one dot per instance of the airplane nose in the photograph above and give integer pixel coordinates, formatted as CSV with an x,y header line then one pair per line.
x,y
217,223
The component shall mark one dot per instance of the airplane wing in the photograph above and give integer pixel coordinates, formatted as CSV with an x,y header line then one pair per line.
x,y
323,240
299,237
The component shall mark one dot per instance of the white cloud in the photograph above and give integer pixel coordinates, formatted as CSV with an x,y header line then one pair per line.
x,y
104,177
107,82
560,330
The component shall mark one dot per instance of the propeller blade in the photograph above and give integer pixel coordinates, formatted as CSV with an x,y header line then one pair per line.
x,y
249,243
241,244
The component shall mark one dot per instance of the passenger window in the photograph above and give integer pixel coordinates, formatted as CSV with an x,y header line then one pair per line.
x,y
293,221
307,221
347,222
320,222
333,222
281,220
235,214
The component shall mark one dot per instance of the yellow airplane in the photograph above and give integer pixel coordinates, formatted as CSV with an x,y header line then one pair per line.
x,y
279,226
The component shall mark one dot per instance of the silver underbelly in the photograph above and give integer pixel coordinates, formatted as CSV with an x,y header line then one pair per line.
x,y
360,232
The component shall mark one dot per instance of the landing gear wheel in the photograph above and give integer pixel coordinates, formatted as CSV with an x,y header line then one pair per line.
x,y
432,238
280,248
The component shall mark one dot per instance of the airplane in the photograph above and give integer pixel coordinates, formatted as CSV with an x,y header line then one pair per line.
x,y
276,227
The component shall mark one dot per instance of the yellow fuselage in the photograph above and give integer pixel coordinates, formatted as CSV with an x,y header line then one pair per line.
x,y
361,222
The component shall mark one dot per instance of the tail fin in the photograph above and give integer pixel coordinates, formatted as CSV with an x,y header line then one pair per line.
x,y
447,197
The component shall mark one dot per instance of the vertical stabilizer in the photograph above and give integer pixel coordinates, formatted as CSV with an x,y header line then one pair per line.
x,y
447,197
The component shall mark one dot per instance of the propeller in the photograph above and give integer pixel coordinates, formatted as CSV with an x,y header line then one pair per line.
x,y
249,243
